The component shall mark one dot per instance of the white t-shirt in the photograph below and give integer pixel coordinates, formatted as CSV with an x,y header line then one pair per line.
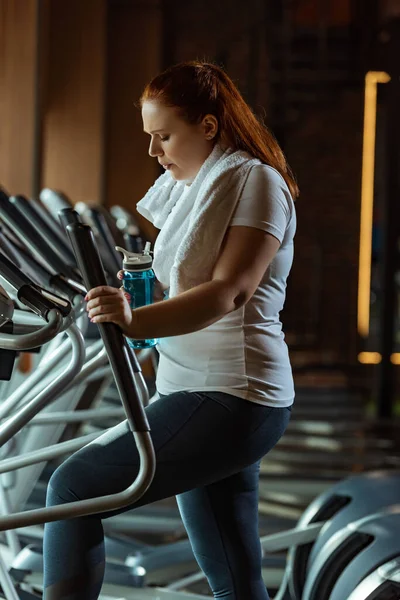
x,y
244,353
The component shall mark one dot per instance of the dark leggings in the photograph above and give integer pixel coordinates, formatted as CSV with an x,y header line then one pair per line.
x,y
208,448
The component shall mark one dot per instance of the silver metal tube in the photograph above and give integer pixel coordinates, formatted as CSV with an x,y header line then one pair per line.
x,y
45,454
103,372
28,389
8,341
10,427
37,438
23,317
11,536
7,583
52,347
142,387
22,329
54,352
88,368
94,349
92,362
92,414
94,505
292,537
281,594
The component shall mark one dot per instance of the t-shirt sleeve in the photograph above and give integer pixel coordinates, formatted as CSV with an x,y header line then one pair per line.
x,y
265,202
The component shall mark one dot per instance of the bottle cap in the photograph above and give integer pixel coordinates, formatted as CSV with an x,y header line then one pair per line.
x,y
134,261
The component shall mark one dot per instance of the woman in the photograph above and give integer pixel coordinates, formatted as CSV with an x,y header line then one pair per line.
x,y
225,211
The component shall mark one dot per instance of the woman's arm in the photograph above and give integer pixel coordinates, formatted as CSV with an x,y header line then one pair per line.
x,y
246,254
189,311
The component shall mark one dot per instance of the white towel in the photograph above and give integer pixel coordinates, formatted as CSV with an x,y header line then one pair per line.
x,y
213,194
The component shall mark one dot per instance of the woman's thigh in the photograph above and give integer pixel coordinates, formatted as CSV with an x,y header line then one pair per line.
x,y
198,439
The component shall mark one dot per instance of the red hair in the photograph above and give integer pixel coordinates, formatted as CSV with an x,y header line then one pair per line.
x,y
199,88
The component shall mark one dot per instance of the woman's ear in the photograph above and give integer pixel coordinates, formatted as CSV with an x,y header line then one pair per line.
x,y
210,126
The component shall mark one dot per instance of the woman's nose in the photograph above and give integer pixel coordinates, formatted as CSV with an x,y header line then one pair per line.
x,y
155,149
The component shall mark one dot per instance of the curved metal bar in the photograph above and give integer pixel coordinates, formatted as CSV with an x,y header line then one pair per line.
x,y
29,387
48,453
10,427
37,338
88,368
94,505
23,317
76,416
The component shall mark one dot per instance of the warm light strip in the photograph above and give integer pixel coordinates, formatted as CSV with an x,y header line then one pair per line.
x,y
374,358
372,78
369,358
395,358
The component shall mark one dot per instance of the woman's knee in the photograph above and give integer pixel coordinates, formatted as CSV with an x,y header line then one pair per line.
x,y
62,484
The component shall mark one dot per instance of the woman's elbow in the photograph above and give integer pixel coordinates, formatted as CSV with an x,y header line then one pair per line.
x,y
230,298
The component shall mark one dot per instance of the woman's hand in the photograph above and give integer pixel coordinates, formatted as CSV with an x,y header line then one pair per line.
x,y
106,304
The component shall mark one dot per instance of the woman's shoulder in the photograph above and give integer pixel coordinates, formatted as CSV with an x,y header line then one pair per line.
x,y
266,178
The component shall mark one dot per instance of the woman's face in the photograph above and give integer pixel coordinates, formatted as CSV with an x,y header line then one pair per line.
x,y
179,147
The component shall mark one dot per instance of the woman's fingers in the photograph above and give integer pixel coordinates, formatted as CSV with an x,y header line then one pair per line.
x,y
102,290
104,309
108,318
106,304
101,300
125,293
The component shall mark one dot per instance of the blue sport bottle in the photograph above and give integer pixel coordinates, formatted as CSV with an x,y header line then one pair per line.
x,y
139,281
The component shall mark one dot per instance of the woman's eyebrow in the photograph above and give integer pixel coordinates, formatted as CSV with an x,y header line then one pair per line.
x,y
154,131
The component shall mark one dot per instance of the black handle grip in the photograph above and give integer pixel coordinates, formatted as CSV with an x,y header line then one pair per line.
x,y
31,238
107,238
38,300
12,273
116,233
121,358
59,247
68,216
36,270
63,287
41,302
50,219
8,248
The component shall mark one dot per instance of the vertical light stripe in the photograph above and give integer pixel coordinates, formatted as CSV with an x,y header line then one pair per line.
x,y
372,78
